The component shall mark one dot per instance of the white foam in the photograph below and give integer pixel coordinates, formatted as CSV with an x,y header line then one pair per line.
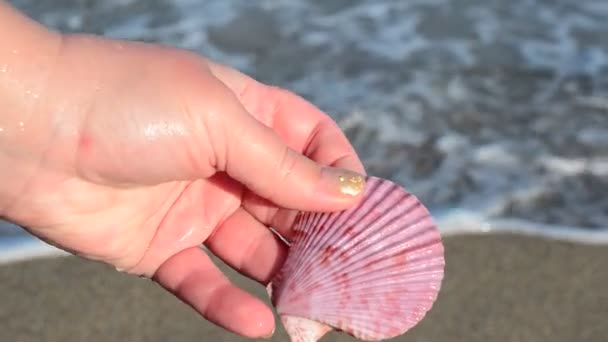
x,y
25,247
462,222
574,166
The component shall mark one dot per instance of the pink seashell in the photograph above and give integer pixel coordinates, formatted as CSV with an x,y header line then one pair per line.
x,y
372,271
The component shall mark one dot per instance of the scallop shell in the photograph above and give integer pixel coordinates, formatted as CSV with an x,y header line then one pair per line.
x,y
372,271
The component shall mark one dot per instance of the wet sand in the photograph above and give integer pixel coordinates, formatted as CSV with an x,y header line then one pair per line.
x,y
497,288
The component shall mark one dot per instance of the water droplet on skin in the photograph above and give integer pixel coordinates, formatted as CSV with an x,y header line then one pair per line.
x,y
15,52
32,94
4,68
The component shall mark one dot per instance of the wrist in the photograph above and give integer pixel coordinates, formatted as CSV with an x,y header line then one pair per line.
x,y
28,52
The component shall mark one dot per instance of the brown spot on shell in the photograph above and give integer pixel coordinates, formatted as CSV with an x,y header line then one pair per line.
x,y
343,256
401,258
328,252
316,285
343,279
370,266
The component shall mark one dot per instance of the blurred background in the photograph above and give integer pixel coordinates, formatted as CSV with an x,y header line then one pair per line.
x,y
494,113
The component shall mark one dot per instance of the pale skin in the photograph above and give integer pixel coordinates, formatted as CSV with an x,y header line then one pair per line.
x,y
135,154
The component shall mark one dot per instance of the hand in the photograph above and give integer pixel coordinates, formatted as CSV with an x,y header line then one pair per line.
x,y
136,154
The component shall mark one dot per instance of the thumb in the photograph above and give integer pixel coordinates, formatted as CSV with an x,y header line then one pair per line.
x,y
256,156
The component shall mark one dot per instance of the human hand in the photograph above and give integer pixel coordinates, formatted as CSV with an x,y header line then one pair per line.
x,y
135,155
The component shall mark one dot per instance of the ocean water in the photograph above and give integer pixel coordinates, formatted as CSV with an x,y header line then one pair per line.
x,y
494,113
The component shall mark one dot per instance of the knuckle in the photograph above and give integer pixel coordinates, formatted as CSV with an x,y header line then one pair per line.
x,y
284,168
287,164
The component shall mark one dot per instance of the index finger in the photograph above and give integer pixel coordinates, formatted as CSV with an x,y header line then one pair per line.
x,y
300,124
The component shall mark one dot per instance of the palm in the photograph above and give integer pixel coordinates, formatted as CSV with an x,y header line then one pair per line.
x,y
136,229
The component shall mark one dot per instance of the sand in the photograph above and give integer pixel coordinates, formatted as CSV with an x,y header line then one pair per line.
x,y
497,288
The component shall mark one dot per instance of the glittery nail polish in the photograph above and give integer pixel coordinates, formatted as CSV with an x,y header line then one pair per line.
x,y
343,181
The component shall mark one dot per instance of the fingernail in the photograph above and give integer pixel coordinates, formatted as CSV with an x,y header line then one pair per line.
x,y
343,181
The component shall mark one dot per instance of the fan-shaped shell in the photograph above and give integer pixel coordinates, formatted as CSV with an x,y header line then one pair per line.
x,y
372,271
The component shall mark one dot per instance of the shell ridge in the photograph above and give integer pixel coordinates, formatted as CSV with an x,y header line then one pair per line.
x,y
396,248
386,266
360,316
356,213
416,254
366,309
290,267
310,245
402,213
338,219
305,220
386,277
313,243
312,219
400,197
357,239
324,295
364,287
281,279
382,234
387,271
306,279
363,217
296,240
360,271
319,242
380,278
372,271
357,257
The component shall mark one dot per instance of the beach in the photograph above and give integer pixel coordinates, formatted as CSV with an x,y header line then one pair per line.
x,y
497,288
